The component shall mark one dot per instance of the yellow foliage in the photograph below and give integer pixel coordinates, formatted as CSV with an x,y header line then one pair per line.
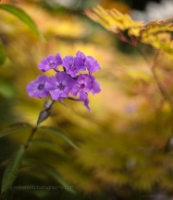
x,y
114,21
111,177
155,33
121,142
158,34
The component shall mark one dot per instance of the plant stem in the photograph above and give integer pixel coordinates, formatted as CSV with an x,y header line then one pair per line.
x,y
30,137
47,108
152,69
164,94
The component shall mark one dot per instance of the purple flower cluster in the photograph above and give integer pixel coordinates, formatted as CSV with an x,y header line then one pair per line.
x,y
66,82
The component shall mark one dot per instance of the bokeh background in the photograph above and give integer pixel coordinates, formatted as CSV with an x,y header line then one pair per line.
x,y
122,141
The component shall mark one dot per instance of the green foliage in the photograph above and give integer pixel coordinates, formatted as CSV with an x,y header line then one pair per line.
x,y
7,90
56,132
52,172
124,147
48,145
2,53
57,177
22,16
12,169
14,128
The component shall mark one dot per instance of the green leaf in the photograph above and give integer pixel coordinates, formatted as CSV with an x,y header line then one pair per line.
x,y
2,53
22,16
48,145
12,169
58,133
57,177
7,90
52,172
13,128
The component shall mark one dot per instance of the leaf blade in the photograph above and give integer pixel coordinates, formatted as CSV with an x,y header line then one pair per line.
x,y
58,133
114,21
12,169
18,12
51,171
57,177
48,145
14,128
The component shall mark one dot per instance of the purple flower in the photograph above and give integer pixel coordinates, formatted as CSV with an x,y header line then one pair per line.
x,y
81,55
73,65
60,85
86,104
50,62
82,87
95,86
37,88
91,64
67,81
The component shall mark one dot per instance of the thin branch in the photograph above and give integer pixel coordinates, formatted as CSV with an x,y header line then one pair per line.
x,y
30,137
152,69
168,145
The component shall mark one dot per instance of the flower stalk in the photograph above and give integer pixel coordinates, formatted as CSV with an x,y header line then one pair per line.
x,y
44,114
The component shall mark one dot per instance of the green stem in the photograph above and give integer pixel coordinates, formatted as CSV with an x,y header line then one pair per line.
x,y
47,109
30,137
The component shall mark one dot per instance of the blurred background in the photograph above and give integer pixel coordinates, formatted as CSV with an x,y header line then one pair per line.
x,y
125,146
